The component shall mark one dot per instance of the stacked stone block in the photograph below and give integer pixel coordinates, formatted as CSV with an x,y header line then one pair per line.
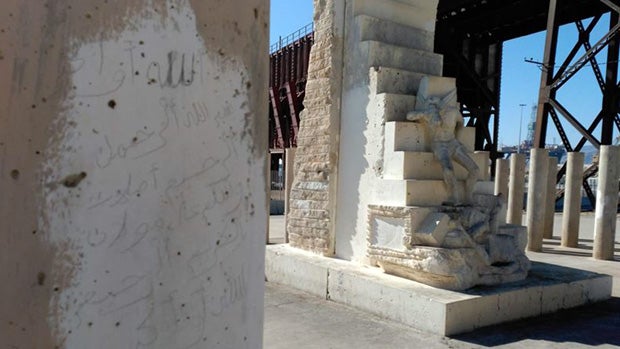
x,y
311,215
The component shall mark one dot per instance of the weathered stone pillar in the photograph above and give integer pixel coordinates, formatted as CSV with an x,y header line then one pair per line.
x,y
502,173
551,194
572,199
536,198
606,202
133,173
311,218
516,189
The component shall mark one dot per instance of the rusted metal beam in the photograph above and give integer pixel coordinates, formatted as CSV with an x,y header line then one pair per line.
x,y
294,109
277,113
546,91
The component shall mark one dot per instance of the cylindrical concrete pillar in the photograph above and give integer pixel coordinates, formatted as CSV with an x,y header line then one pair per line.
x,y
502,173
289,175
536,198
551,195
572,199
134,164
516,189
606,202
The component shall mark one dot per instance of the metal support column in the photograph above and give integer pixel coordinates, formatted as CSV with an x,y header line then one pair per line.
x,y
546,91
610,96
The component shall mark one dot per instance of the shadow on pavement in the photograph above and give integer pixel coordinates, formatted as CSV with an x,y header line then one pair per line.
x,y
594,324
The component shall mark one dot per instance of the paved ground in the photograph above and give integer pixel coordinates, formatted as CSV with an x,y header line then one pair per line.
x,y
294,319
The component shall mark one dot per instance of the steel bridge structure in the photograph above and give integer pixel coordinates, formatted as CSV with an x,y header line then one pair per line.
x,y
470,35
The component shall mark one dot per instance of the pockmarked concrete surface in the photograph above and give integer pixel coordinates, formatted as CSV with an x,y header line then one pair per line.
x,y
294,319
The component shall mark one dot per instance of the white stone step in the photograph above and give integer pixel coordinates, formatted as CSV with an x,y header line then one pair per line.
x,y
412,136
386,55
392,80
416,14
423,165
394,107
421,192
376,29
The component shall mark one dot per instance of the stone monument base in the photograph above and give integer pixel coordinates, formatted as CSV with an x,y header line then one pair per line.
x,y
547,289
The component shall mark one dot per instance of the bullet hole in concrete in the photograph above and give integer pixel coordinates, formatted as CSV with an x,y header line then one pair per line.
x,y
232,220
117,324
88,16
37,152
15,174
142,54
112,103
183,305
41,278
34,232
90,324
217,242
141,42
70,331
161,284
248,85
245,338
221,52
73,180
134,140
151,81
137,73
56,289
178,253
34,106
43,99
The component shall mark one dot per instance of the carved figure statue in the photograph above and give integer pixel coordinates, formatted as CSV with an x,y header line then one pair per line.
x,y
443,120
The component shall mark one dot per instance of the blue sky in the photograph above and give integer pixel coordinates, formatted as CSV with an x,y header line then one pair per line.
x,y
520,80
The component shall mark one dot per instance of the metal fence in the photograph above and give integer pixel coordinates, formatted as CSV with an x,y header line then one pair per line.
x,y
291,38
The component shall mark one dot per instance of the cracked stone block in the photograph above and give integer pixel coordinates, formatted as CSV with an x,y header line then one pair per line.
x,y
432,231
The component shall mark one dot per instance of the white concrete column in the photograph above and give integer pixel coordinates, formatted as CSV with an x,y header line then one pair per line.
x,y
502,173
516,189
289,175
551,195
572,199
536,198
606,202
133,164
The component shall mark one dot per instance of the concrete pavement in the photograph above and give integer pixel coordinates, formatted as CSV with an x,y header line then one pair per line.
x,y
294,319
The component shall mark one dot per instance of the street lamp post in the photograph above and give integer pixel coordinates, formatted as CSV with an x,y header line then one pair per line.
x,y
520,124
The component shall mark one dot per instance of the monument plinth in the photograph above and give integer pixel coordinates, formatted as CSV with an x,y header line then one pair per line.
x,y
449,231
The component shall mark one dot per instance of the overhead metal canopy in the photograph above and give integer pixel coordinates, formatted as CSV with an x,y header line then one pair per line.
x,y
502,20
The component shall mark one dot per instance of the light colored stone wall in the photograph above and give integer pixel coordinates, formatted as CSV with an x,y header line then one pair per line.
x,y
311,219
375,45
132,173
